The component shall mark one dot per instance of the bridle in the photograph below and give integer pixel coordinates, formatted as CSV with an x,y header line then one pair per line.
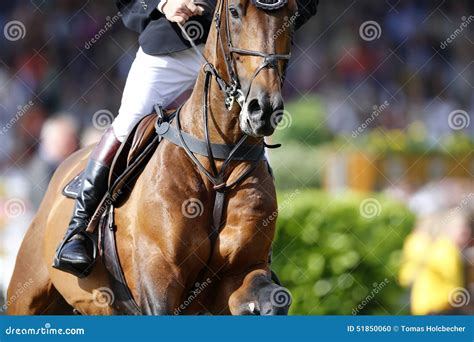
x,y
232,93
232,89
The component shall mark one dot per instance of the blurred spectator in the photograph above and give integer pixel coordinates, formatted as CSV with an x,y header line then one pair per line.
x,y
59,138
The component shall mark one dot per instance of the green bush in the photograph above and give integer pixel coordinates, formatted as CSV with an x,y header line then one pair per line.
x,y
304,122
299,162
298,166
334,256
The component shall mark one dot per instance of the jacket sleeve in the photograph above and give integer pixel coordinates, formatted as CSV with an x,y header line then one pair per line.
x,y
306,9
136,14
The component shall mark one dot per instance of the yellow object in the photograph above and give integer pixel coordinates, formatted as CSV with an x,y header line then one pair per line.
x,y
433,267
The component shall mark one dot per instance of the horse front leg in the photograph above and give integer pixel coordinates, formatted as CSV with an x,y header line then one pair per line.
x,y
242,251
259,295
161,288
167,267
253,293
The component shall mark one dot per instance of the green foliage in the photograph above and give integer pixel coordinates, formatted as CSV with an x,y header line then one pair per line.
x,y
299,163
298,166
330,257
304,123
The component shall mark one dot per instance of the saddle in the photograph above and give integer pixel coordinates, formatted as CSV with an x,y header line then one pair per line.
x,y
129,158
127,165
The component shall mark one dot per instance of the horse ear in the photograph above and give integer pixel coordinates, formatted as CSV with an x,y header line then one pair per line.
x,y
269,5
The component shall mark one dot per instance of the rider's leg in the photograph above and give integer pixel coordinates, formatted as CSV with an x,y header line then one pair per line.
x,y
75,256
152,79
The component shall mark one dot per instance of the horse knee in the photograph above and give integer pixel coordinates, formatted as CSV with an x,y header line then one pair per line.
x,y
258,295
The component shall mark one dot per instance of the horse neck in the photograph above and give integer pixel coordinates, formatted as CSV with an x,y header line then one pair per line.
x,y
223,124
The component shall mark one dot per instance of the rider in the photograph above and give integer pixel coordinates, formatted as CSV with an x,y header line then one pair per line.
x,y
164,67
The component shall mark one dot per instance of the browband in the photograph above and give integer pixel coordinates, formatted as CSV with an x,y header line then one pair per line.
x,y
269,5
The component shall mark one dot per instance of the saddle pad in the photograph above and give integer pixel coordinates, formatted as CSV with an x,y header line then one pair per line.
x,y
71,190
132,150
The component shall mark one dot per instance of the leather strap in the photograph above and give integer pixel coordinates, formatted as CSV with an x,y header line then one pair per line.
x,y
219,151
124,302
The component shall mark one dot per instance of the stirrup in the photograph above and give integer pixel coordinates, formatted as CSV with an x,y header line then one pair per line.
x,y
69,267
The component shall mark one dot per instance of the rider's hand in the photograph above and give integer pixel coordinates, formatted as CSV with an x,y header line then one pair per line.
x,y
180,11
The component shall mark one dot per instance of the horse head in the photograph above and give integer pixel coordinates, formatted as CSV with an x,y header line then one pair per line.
x,y
255,39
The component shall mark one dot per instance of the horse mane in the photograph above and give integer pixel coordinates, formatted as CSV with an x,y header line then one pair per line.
x,y
269,5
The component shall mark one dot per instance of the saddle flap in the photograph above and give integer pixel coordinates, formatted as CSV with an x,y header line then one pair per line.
x,y
144,134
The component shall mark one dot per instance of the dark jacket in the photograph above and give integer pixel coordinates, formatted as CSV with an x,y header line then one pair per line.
x,y
159,36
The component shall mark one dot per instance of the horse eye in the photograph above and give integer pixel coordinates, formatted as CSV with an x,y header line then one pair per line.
x,y
233,11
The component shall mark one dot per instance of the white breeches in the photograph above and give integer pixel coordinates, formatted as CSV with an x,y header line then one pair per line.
x,y
154,79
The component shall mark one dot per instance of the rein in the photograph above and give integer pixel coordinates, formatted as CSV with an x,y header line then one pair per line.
x,y
233,93
232,90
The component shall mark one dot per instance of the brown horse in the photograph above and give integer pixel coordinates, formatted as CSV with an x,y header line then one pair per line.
x,y
165,251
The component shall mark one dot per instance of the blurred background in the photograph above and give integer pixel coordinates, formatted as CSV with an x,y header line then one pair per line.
x,y
375,176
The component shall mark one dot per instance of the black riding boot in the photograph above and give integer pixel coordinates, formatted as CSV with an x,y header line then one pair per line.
x,y
75,253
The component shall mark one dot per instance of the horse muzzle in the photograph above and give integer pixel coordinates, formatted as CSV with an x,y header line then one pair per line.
x,y
259,116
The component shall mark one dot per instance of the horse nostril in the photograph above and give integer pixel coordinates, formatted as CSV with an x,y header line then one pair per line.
x,y
254,106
